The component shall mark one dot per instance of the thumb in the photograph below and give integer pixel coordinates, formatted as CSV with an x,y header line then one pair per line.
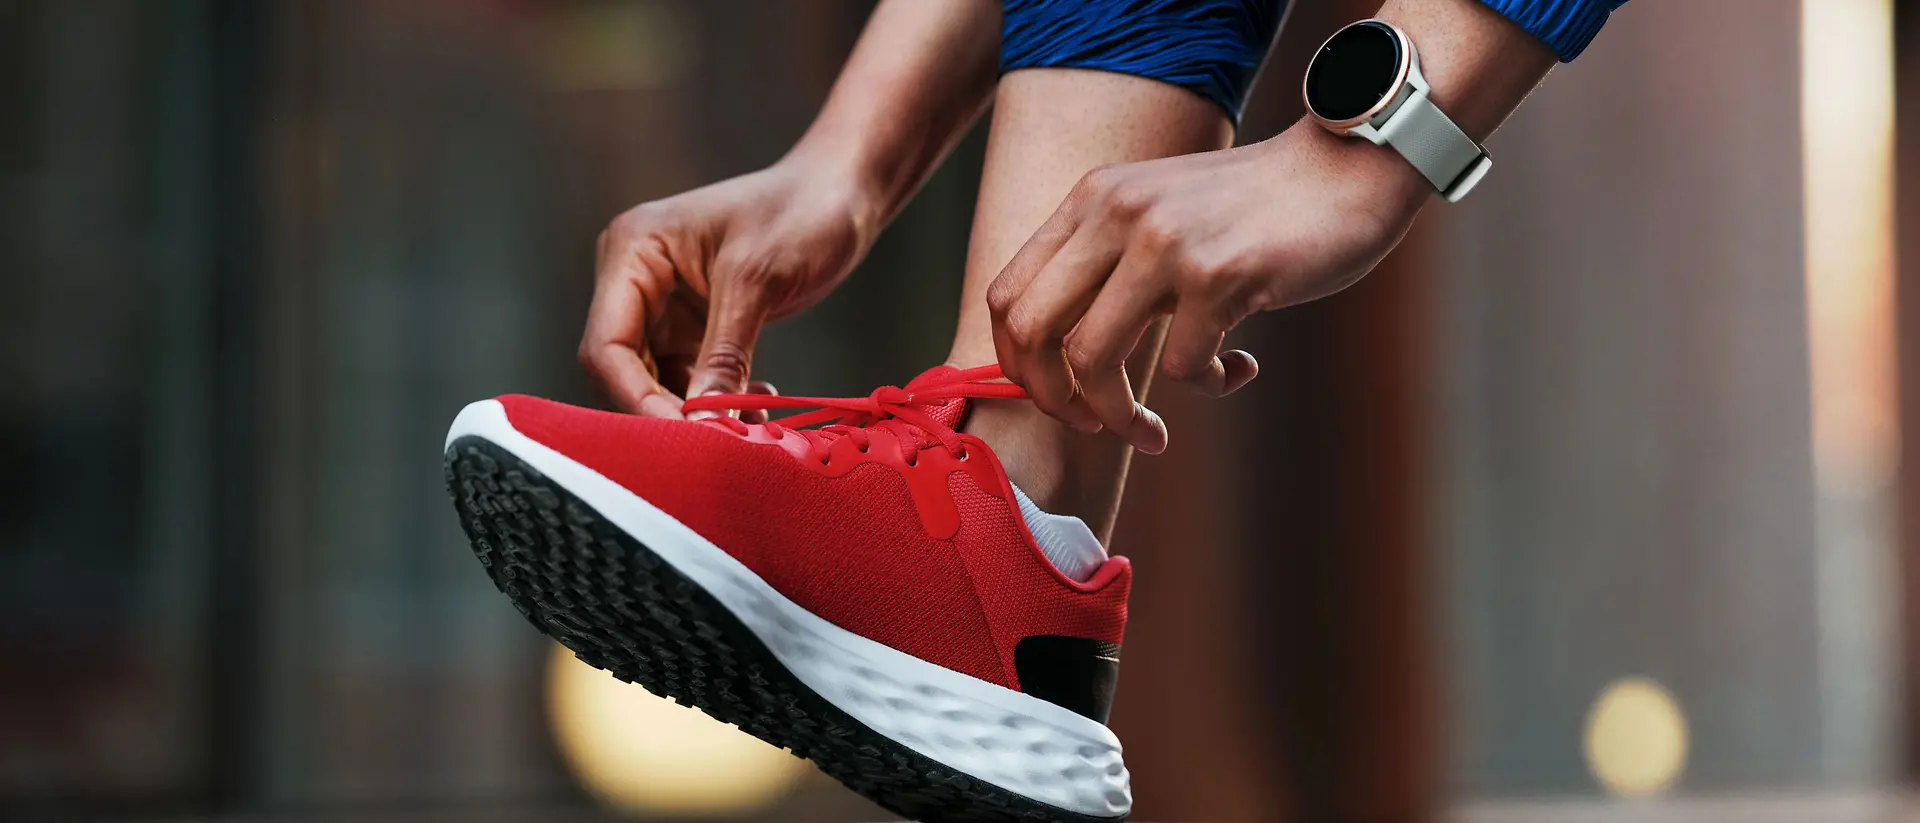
x,y
734,317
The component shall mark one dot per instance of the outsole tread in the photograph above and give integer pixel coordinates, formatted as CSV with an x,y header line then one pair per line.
x,y
621,608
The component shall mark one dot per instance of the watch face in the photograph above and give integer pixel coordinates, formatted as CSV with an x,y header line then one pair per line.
x,y
1353,71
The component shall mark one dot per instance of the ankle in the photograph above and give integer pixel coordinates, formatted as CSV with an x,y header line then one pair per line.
x,y
1031,447
1033,456
1063,471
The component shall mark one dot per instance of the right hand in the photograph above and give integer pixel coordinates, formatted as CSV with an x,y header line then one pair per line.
x,y
685,283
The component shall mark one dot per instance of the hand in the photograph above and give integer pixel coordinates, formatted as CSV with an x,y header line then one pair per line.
x,y
1207,238
684,284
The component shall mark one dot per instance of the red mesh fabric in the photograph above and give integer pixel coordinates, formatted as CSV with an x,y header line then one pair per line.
x,y
850,549
1020,594
950,413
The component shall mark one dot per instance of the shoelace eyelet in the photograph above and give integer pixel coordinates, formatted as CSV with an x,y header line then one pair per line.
x,y
915,410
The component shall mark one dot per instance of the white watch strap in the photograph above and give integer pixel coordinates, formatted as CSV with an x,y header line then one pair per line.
x,y
1429,140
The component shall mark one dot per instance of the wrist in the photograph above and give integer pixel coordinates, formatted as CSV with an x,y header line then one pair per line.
x,y
839,168
1388,178
920,74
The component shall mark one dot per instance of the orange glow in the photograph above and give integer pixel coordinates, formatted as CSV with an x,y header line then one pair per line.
x,y
1847,123
641,753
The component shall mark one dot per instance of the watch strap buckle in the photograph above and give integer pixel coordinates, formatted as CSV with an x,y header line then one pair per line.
x,y
1464,184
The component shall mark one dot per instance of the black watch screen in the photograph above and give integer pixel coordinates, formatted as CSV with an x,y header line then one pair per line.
x,y
1353,71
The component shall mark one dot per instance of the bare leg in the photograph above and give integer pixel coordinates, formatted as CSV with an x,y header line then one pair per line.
x,y
1050,127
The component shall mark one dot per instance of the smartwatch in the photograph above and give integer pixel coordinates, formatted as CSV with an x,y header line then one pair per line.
x,y
1366,82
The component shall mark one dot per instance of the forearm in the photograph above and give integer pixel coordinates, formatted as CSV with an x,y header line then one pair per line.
x,y
1481,66
919,76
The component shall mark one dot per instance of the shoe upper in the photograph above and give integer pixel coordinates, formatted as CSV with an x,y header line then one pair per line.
x,y
895,528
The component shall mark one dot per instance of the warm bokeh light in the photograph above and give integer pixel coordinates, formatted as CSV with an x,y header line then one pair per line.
x,y
1636,738
1847,111
1847,122
639,752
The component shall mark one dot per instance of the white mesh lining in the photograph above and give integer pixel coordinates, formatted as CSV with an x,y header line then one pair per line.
x,y
1064,540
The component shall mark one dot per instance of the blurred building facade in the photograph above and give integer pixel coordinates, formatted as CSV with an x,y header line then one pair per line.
x,y
254,255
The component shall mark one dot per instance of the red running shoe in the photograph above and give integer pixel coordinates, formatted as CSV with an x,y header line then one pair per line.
x,y
868,594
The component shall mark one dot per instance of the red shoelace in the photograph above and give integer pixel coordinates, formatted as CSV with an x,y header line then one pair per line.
x,y
902,412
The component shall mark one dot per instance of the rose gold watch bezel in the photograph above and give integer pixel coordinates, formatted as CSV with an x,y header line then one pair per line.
x,y
1401,73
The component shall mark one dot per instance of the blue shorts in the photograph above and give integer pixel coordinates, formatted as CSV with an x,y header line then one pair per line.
x,y
1211,47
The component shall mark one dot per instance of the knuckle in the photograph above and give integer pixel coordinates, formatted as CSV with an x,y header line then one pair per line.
x,y
590,360
1060,398
1019,333
1202,273
728,358
1157,235
627,223
647,213
1126,199
1000,296
754,267
620,226
1025,331
1266,298
1181,368
1082,359
1194,267
757,274
636,226
1100,184
1101,177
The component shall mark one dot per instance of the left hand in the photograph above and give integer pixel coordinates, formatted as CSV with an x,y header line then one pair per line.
x,y
1207,238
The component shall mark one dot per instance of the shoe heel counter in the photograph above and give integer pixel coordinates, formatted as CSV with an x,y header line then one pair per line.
x,y
1077,673
1106,597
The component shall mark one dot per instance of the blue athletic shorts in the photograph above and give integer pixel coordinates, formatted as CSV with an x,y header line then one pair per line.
x,y
1214,47
1211,47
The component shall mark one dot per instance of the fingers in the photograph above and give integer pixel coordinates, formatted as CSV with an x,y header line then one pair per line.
x,y
613,348
1013,281
1241,369
1097,352
1071,307
757,415
1030,329
1192,354
673,340
1034,254
735,313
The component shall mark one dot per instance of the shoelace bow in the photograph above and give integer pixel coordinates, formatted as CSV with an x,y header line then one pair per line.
x,y
900,411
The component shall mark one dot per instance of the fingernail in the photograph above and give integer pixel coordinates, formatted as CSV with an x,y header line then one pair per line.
x,y
656,406
703,414
1156,434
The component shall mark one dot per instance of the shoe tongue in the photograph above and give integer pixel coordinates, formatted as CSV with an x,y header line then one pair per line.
x,y
952,411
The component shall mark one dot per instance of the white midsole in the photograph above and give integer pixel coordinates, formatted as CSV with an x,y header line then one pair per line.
x,y
1017,742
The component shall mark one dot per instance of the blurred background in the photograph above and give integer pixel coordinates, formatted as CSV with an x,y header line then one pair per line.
x,y
1586,506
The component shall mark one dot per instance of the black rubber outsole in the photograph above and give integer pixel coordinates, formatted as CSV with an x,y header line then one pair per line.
x,y
620,607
